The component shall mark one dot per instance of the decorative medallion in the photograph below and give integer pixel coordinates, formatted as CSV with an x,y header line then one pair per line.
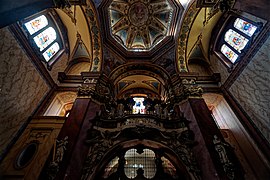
x,y
138,14
139,25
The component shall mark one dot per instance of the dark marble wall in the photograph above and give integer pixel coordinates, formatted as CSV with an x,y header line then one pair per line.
x,y
218,67
252,90
259,8
21,88
59,66
200,151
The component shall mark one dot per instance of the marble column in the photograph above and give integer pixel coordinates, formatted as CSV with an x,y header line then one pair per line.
x,y
206,152
80,151
72,129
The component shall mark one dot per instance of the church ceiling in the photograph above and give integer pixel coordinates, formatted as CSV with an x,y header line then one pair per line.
x,y
111,61
167,61
139,81
137,35
139,24
77,25
138,29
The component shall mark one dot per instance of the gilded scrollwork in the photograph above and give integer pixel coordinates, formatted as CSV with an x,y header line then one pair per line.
x,y
98,92
39,135
90,12
85,90
183,90
61,4
100,142
182,143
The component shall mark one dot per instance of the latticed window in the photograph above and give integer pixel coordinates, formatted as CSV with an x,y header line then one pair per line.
x,y
140,163
144,160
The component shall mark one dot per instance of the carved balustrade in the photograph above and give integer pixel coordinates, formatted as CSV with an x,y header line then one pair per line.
x,y
146,120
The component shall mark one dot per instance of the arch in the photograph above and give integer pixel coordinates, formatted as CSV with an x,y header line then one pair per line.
x,y
190,15
139,91
78,67
140,76
121,147
143,68
61,104
94,26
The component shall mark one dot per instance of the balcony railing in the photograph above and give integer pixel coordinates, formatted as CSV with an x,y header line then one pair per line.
x,y
146,120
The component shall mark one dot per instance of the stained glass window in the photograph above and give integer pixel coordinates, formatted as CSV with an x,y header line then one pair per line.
x,y
245,27
45,38
237,35
51,51
138,107
43,34
237,41
230,54
36,24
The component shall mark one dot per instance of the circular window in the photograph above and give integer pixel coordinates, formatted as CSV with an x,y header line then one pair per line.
x,y
26,155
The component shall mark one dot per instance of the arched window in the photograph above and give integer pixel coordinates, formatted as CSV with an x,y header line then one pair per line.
x,y
235,40
235,37
36,24
245,27
44,35
228,53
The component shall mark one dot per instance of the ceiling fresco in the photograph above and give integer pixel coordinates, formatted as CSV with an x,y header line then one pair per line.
x,y
139,25
139,81
167,62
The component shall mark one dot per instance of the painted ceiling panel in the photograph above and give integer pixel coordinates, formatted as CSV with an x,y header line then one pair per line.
x,y
139,24
139,81
80,27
